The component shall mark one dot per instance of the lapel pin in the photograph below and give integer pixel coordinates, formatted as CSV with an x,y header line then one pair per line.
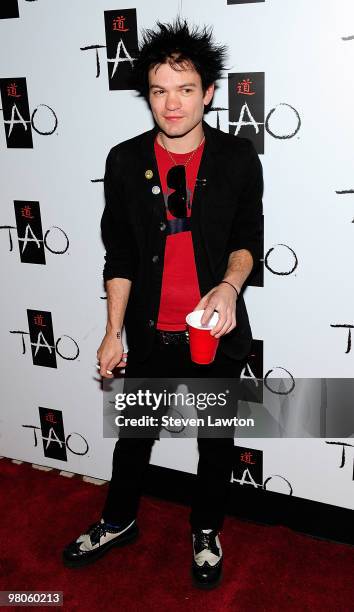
x,y
156,190
149,174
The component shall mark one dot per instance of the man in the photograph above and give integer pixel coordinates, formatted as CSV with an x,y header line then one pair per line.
x,y
182,231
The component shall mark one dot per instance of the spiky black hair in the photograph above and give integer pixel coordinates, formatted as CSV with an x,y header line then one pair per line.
x,y
179,45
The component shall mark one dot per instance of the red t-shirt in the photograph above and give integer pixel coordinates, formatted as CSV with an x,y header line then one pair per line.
x,y
180,288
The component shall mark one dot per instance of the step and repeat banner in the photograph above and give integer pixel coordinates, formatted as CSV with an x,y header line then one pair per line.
x,y
65,101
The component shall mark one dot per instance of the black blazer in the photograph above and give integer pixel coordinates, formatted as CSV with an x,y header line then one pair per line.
x,y
226,216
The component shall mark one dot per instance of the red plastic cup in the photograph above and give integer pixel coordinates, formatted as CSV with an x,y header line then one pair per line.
x,y
202,345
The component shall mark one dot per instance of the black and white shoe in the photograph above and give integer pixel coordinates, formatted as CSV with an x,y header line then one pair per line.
x,y
207,558
98,539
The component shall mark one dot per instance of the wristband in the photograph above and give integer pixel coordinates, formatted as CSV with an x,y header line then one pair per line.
x,y
227,282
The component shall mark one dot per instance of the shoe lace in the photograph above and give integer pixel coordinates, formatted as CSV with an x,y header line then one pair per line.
x,y
93,534
205,541
96,531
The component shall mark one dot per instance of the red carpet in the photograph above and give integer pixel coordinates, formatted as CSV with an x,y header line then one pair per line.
x,y
266,568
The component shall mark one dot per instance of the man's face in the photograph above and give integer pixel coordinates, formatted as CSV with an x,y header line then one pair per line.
x,y
177,99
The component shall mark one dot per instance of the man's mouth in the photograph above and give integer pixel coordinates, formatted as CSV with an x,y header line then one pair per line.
x,y
173,118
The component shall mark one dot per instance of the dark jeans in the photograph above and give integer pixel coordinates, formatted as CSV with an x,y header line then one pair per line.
x,y
132,455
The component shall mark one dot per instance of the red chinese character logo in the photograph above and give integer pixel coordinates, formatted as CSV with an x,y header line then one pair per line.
x,y
26,212
38,320
246,457
244,87
12,91
50,417
118,24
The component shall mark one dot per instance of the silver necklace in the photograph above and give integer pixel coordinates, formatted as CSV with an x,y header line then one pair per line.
x,y
189,158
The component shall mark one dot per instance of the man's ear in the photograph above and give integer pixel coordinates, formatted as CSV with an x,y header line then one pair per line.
x,y
208,96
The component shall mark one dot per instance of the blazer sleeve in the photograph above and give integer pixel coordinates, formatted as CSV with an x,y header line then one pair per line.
x,y
246,232
116,230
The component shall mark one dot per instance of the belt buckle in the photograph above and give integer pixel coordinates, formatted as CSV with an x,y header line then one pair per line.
x,y
170,338
164,337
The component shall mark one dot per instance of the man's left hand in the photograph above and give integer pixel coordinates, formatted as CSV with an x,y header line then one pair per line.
x,y
222,299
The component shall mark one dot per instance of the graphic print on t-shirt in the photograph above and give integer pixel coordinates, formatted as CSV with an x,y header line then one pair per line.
x,y
178,224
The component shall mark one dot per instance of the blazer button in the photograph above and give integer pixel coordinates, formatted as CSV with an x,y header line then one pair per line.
x,y
162,226
155,258
151,323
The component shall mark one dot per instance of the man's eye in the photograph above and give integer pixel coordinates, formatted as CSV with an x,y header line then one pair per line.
x,y
187,89
158,91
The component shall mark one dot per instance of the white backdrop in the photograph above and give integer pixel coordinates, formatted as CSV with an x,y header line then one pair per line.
x,y
306,51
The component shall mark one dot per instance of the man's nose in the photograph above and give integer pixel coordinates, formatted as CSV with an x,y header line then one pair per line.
x,y
172,101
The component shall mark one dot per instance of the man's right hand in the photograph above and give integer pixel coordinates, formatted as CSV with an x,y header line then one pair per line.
x,y
110,355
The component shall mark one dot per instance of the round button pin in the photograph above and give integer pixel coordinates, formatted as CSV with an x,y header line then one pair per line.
x,y
156,190
149,174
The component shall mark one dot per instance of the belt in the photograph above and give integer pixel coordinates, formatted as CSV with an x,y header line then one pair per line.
x,y
175,337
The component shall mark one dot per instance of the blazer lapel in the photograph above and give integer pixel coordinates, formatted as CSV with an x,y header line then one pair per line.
x,y
206,195
155,201
204,182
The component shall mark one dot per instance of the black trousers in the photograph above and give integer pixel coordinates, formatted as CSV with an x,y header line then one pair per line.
x,y
131,456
